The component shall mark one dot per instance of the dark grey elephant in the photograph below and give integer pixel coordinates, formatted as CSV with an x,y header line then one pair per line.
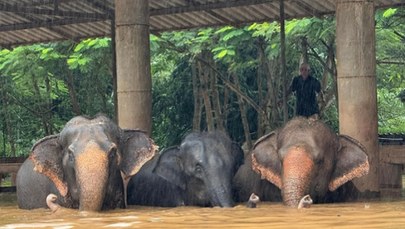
x,y
87,165
304,157
198,172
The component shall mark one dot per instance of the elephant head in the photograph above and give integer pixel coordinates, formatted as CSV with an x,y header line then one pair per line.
x,y
203,167
307,157
90,160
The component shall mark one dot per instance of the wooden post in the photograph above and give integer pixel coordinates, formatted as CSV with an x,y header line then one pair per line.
x,y
114,68
283,61
133,64
355,45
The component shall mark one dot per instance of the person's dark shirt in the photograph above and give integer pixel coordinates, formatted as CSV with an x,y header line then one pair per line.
x,y
305,92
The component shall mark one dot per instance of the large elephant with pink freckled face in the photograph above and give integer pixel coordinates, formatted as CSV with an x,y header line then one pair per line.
x,y
87,165
303,157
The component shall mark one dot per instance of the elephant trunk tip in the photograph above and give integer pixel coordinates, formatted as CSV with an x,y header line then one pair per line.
x,y
51,202
305,202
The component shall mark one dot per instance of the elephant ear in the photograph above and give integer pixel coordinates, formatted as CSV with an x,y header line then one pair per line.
x,y
136,149
352,162
265,160
47,154
170,167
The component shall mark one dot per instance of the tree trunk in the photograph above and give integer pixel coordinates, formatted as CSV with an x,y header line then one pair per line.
x,y
219,122
203,75
243,114
273,85
197,98
271,117
48,106
73,98
304,51
39,106
263,100
226,104
7,119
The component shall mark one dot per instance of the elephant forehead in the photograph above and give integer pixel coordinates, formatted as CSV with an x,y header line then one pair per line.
x,y
316,145
84,134
193,148
91,158
205,155
294,149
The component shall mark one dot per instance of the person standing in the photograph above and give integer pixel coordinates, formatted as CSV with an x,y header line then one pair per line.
x,y
306,89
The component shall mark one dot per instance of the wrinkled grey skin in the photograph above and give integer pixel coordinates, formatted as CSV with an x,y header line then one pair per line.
x,y
87,165
303,157
246,181
148,188
198,172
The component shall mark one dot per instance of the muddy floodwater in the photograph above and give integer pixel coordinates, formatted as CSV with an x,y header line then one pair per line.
x,y
373,214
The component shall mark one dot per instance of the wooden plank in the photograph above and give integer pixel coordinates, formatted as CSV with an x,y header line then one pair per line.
x,y
8,189
9,167
394,154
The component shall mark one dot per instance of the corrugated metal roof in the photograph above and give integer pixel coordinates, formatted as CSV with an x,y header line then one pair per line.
x,y
32,21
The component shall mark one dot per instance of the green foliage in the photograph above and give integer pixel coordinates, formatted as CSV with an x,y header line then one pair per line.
x,y
390,38
389,13
36,100
38,82
172,105
390,112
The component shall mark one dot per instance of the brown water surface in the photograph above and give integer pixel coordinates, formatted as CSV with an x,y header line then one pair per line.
x,y
381,214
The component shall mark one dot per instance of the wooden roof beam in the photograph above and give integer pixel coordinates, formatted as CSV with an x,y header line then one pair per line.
x,y
101,6
47,24
205,7
54,29
307,8
29,10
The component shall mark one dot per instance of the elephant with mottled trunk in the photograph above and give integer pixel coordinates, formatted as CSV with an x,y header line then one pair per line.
x,y
87,165
305,157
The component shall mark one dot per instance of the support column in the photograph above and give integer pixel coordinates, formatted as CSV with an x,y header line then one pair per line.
x,y
133,64
355,45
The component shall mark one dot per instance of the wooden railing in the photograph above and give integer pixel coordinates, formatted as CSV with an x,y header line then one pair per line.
x,y
10,165
392,161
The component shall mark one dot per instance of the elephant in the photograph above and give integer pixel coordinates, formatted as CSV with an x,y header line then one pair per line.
x,y
246,181
304,157
87,165
196,173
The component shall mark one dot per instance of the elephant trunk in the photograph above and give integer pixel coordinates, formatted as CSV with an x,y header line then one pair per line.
x,y
297,170
221,193
92,176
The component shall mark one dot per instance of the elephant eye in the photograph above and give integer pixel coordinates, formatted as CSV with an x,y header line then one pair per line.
x,y
71,155
112,151
320,161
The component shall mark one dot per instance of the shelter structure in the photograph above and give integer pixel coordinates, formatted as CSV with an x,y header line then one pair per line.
x,y
130,22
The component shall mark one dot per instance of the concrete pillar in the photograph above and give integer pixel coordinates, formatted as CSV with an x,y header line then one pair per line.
x,y
355,45
133,64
